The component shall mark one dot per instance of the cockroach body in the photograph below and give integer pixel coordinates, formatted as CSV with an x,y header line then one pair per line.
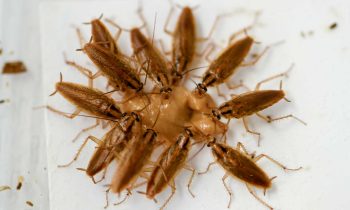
x,y
248,103
225,64
112,144
138,152
90,100
151,60
115,67
184,42
169,163
239,165
102,36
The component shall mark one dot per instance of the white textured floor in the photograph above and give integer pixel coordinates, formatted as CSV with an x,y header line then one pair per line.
x,y
317,87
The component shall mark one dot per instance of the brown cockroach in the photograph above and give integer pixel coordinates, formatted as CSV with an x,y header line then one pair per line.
x,y
147,55
184,41
242,165
110,146
87,99
169,164
120,74
252,102
133,160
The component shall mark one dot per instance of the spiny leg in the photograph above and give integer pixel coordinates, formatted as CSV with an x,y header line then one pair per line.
x,y
241,146
229,191
81,38
257,158
208,168
173,189
245,123
284,74
189,168
165,28
124,199
212,29
70,116
269,119
219,92
96,140
87,129
102,178
251,191
256,58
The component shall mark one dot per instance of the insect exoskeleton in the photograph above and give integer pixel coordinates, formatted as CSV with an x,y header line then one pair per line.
x,y
133,160
242,165
248,103
225,64
120,74
151,60
89,100
179,111
184,43
168,165
102,36
111,146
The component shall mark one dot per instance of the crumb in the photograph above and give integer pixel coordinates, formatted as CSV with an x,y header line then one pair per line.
x,y
333,26
4,101
1,50
14,67
20,182
29,203
2,188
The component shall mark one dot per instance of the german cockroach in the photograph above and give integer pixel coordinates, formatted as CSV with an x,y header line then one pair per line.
x,y
252,102
169,164
138,152
147,55
120,74
87,99
242,165
110,146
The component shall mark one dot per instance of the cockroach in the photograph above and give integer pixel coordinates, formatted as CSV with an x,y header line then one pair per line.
x,y
110,146
147,55
136,156
184,41
228,61
253,102
169,164
120,74
242,165
87,99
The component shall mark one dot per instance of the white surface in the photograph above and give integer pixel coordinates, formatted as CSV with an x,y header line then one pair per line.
x,y
317,87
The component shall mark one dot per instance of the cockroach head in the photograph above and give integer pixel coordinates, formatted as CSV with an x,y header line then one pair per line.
x,y
201,89
215,113
211,142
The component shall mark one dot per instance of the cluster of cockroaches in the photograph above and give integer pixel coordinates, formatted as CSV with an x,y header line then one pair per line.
x,y
168,115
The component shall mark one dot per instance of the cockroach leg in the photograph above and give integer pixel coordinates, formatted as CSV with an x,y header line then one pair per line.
x,y
208,168
210,50
96,140
251,191
228,189
207,50
165,28
240,146
81,38
212,29
245,123
219,93
124,199
102,177
173,189
257,158
189,168
284,74
87,129
256,59
70,116
162,46
269,119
